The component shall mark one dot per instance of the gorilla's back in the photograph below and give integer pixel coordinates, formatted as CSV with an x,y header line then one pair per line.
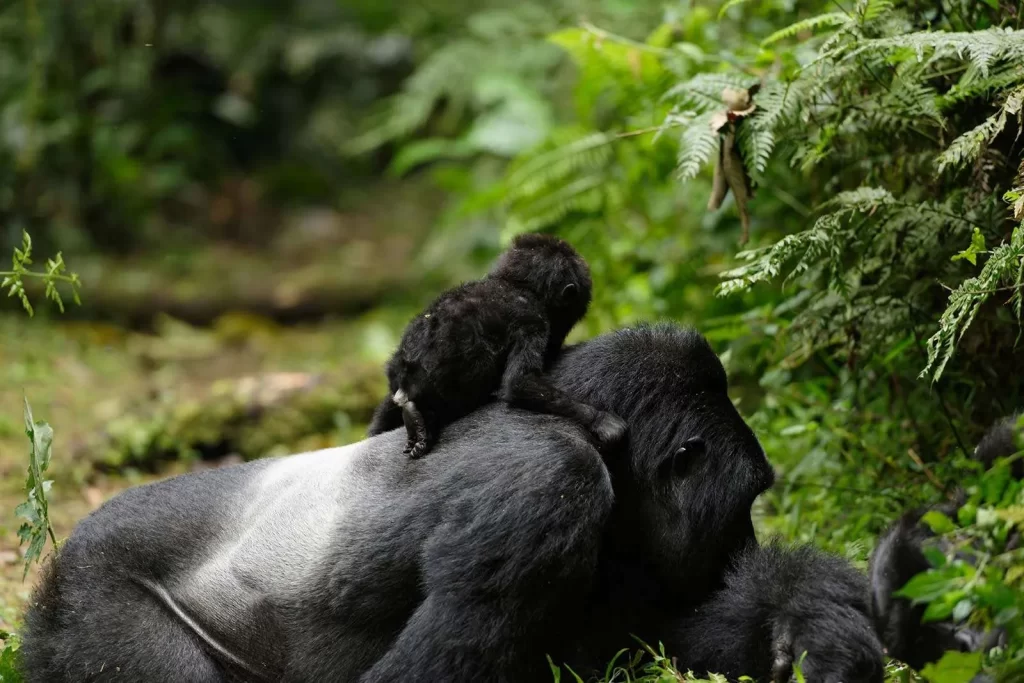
x,y
227,553
282,569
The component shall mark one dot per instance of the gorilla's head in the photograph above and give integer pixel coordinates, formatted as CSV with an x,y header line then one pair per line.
x,y
693,466
555,272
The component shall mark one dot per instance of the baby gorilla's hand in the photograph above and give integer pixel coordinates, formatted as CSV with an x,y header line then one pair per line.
x,y
608,428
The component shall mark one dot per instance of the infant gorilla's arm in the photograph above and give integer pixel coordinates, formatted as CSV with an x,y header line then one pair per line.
x,y
524,385
778,603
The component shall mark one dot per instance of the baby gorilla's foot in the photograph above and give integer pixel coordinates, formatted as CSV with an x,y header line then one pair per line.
x,y
417,449
609,429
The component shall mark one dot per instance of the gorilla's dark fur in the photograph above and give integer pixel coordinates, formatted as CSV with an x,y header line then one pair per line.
x,y
517,541
899,556
490,335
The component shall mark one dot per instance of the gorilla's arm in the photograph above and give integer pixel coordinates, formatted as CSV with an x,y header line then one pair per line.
x,y
776,604
505,572
524,385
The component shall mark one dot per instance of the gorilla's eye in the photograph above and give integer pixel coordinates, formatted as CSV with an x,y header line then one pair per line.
x,y
569,290
693,448
684,459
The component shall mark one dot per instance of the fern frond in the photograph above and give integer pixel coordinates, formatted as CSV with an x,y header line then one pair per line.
x,y
703,92
810,24
756,145
554,165
969,146
972,84
870,10
767,264
863,199
979,48
586,194
697,144
1005,264
778,105
729,5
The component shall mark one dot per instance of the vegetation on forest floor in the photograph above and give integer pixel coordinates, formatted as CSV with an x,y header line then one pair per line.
x,y
120,400
872,150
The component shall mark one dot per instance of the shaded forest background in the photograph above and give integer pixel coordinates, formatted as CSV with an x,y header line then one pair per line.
x,y
256,196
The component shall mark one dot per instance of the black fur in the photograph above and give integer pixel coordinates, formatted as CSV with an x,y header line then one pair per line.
x,y
898,557
778,603
520,542
1000,441
498,333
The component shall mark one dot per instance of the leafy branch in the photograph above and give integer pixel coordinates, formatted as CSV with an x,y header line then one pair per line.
x,y
36,509
55,273
1006,262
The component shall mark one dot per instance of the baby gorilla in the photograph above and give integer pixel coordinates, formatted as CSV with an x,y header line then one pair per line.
x,y
492,335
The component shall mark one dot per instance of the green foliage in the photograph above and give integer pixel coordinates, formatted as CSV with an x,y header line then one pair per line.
x,y
954,667
978,577
1005,264
886,225
487,90
9,672
56,272
885,87
646,665
883,148
36,508
131,124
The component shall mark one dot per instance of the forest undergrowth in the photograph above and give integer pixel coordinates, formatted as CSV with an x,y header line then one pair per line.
x,y
832,192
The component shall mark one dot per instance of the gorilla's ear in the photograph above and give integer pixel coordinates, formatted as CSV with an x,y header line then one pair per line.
x,y
684,459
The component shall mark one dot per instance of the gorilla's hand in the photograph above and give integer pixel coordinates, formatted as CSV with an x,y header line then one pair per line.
x,y
839,643
777,604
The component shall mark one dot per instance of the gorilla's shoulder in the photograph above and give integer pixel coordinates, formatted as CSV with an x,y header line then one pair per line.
x,y
650,359
497,437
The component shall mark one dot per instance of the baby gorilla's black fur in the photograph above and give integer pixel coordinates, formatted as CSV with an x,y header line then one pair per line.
x,y
899,556
494,334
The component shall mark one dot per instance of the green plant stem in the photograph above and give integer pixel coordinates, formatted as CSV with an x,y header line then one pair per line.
x,y
71,279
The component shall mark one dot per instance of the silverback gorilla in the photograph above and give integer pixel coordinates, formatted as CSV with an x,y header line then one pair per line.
x,y
516,542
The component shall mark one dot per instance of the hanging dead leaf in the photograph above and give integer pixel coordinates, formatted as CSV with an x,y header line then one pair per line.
x,y
736,99
719,186
737,179
1018,208
719,120
730,173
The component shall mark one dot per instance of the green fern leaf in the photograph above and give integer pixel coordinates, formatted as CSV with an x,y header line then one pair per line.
x,y
697,145
1005,264
703,92
968,147
828,20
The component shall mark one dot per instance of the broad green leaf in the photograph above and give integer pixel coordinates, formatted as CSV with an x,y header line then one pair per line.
x,y
938,522
935,556
1013,514
9,667
954,667
971,253
942,608
424,151
967,514
931,585
962,610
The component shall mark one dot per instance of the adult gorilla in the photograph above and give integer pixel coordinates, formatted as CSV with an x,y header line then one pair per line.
x,y
511,541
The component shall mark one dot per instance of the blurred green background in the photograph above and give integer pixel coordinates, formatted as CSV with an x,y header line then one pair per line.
x,y
257,196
